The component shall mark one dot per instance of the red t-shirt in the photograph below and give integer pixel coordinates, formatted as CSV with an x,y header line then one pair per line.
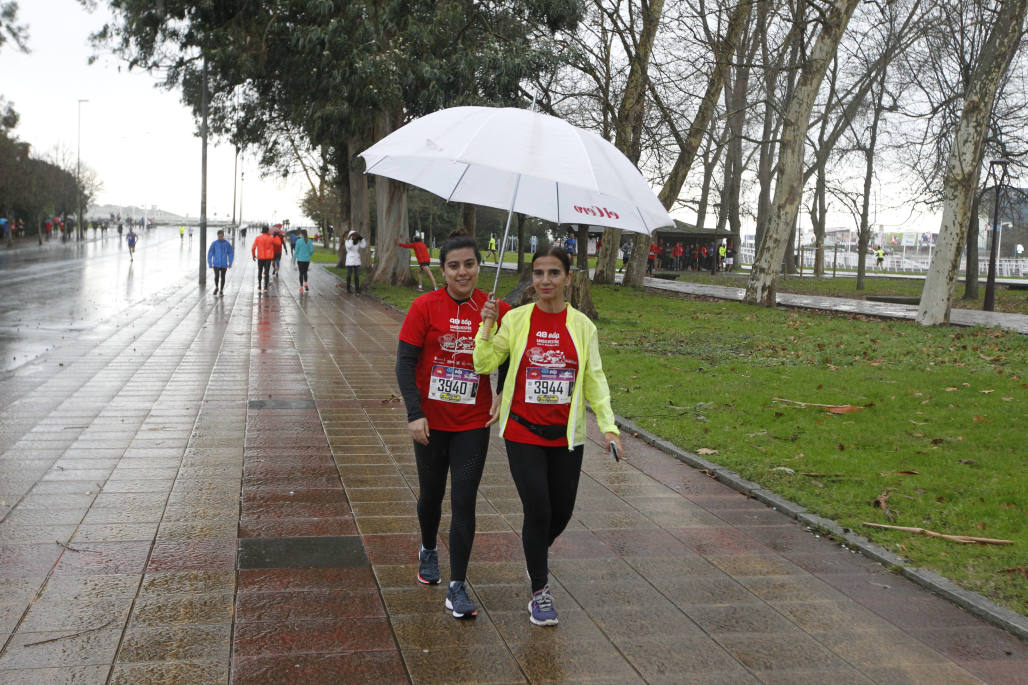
x,y
420,251
544,379
453,396
653,252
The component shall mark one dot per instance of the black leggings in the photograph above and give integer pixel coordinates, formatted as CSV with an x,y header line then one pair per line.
x,y
355,271
263,267
547,482
219,278
303,266
463,455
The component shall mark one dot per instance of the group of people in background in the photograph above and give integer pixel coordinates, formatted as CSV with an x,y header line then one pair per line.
x,y
546,356
692,255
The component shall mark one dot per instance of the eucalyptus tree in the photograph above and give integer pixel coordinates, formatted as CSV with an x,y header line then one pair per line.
x,y
789,182
962,170
935,77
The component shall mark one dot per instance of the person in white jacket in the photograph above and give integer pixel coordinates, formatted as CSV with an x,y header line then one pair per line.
x,y
354,244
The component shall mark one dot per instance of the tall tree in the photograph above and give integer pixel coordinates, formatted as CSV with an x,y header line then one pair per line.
x,y
965,158
789,181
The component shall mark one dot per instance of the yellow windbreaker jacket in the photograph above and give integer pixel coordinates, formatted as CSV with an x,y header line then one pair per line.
x,y
591,385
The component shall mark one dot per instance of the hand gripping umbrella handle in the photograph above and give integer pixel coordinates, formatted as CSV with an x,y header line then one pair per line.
x,y
503,244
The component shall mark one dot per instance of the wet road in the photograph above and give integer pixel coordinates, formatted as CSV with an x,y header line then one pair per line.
x,y
62,289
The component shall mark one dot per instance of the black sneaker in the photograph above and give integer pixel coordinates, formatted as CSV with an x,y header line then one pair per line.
x,y
428,567
458,602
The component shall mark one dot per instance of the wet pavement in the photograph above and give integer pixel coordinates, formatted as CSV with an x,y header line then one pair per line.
x,y
209,490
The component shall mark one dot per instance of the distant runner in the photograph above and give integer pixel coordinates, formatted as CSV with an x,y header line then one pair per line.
x,y
424,258
130,239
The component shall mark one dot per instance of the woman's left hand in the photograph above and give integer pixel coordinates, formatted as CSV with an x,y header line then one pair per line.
x,y
494,411
616,439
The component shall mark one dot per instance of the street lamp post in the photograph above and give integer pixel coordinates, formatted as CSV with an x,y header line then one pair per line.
x,y
990,285
78,171
203,177
235,176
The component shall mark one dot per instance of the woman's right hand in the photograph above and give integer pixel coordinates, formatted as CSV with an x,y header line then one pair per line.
x,y
419,430
488,316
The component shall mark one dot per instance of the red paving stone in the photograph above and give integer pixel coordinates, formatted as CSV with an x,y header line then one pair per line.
x,y
665,575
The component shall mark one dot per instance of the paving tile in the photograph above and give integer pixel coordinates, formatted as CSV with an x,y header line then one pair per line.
x,y
173,610
479,664
62,675
439,630
306,579
308,605
678,659
211,672
176,643
104,558
60,648
926,674
308,552
174,555
371,667
574,662
312,637
51,614
973,643
776,652
197,582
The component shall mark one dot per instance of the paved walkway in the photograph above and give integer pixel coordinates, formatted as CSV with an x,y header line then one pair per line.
x,y
210,490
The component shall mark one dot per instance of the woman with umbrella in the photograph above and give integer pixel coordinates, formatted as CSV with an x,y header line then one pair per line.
x,y
449,410
556,364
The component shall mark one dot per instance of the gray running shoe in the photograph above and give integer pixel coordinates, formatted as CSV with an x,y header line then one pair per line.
x,y
541,610
458,602
428,567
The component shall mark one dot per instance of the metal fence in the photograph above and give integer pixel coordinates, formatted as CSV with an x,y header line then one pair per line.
x,y
846,260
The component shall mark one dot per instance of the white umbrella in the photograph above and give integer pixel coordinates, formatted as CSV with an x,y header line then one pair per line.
x,y
521,161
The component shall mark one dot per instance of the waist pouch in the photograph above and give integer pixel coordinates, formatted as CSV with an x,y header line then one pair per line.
x,y
545,432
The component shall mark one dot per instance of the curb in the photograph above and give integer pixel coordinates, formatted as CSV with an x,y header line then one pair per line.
x,y
973,602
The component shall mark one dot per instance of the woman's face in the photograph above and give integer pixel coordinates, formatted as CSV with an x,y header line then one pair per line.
x,y
461,272
549,279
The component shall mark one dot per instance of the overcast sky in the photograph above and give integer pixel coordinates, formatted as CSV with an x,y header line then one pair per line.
x,y
141,140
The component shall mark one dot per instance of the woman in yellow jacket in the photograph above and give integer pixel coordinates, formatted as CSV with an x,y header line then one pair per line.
x,y
555,368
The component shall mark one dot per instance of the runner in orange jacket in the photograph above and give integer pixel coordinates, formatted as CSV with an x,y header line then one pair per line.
x,y
263,251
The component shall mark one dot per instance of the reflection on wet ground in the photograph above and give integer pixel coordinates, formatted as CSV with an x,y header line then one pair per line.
x,y
67,288
201,489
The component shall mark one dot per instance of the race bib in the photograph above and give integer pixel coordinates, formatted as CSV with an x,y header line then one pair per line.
x,y
450,384
548,386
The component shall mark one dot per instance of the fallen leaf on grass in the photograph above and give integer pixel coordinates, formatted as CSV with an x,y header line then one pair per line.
x,y
981,419
843,409
908,473
986,392
706,450
1008,399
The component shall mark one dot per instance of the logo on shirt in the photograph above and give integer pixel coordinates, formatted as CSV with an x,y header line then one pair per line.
x,y
537,356
457,344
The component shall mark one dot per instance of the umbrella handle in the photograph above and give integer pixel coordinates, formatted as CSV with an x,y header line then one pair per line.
x,y
506,232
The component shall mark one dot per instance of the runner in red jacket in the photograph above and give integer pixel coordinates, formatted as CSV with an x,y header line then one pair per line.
x,y
423,257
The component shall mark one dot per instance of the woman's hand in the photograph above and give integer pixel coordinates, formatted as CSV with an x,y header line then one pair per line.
x,y
419,430
488,317
616,439
494,411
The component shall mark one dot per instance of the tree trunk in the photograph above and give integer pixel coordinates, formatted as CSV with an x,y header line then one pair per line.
x,y
635,270
789,182
392,263
359,216
469,217
582,257
961,179
628,125
821,202
971,272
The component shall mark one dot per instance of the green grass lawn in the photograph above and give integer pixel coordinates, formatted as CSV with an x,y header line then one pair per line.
x,y
1013,301
939,429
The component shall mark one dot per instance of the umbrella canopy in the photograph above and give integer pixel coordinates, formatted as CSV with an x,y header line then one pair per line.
x,y
532,163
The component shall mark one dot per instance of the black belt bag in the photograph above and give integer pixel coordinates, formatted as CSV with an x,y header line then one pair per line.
x,y
545,432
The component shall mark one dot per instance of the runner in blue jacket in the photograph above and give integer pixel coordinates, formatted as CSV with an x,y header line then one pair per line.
x,y
303,248
219,258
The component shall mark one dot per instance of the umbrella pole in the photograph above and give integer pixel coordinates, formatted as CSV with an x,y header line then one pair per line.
x,y
506,232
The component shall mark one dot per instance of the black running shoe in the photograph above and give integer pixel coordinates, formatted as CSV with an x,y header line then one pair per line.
x,y
458,602
428,567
